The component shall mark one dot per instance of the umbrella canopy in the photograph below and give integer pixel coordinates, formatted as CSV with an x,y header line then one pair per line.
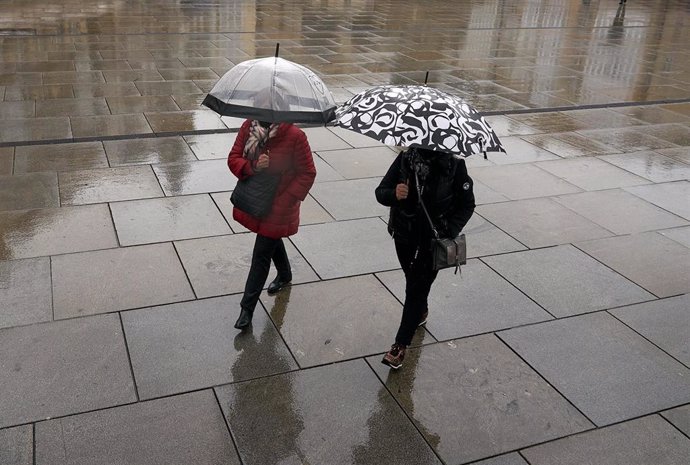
x,y
274,90
418,116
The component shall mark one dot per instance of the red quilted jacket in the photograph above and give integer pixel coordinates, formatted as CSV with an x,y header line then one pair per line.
x,y
290,156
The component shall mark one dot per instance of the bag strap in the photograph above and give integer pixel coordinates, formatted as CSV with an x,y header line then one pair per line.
x,y
426,213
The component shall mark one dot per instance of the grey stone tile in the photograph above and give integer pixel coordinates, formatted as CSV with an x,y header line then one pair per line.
x,y
6,160
17,446
664,322
503,404
110,89
195,177
350,199
541,222
680,235
27,191
354,139
522,181
18,109
603,367
109,125
141,104
679,153
168,219
166,87
638,442
673,196
483,194
569,144
680,417
508,459
39,92
222,200
25,292
192,345
296,411
477,301
60,157
175,430
108,185
63,367
73,77
183,121
52,231
650,165
360,163
324,171
675,133
626,140
483,238
591,173
323,139
219,265
210,146
651,260
521,151
147,151
612,210
565,281
310,319
347,248
506,126
116,279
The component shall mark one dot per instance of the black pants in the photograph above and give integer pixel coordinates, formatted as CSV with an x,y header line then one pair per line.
x,y
418,280
265,250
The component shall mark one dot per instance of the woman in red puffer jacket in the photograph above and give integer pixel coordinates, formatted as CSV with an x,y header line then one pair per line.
x,y
282,149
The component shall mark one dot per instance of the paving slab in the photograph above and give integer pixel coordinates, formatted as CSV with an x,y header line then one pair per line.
x,y
522,181
665,322
541,222
17,446
6,160
63,367
650,165
506,126
18,130
483,194
167,219
324,171
638,442
603,367
651,114
183,121
522,151
360,163
680,235
109,89
39,92
29,191
353,138
566,281
72,107
550,121
117,279
673,196
508,459
483,238
612,210
294,413
677,134
350,199
147,151
195,177
25,292
347,248
60,157
679,153
680,417
477,301
492,402
569,144
140,104
591,174
211,146
193,345
219,265
310,319
652,261
108,185
175,430
324,139
626,139
109,125
19,109
50,231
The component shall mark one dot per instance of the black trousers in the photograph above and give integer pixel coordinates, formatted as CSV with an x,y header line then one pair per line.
x,y
265,250
418,280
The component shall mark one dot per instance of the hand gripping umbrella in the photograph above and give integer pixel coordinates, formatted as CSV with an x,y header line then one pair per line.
x,y
418,116
274,90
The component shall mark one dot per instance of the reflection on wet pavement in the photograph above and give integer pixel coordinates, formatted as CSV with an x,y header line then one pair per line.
x,y
122,268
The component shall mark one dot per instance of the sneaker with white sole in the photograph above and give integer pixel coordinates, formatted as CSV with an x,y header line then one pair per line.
x,y
394,357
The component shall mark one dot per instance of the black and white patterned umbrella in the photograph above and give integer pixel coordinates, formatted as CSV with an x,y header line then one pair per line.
x,y
418,116
272,89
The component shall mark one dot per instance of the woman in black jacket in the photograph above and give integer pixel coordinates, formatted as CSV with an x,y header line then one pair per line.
x,y
446,190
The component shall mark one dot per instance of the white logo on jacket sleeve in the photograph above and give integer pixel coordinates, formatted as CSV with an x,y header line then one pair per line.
x,y
466,186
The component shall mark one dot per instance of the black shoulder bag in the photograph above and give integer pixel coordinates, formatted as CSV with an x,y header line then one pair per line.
x,y
445,252
254,194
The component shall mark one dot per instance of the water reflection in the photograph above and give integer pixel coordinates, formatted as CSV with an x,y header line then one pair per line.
x,y
616,31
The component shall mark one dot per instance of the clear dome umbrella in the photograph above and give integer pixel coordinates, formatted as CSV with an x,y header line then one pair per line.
x,y
274,90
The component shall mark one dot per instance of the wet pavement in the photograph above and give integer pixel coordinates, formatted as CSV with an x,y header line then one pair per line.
x,y
121,269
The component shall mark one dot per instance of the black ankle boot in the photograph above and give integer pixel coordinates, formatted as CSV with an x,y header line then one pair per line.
x,y
277,284
245,319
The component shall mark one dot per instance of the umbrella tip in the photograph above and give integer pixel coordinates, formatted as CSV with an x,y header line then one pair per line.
x,y
426,78
277,48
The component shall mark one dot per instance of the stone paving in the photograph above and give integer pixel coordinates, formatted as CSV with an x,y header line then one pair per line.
x,y
564,341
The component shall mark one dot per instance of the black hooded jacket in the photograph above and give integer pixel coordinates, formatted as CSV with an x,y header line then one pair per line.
x,y
446,190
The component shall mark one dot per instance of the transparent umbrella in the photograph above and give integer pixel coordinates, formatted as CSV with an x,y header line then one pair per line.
x,y
274,90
